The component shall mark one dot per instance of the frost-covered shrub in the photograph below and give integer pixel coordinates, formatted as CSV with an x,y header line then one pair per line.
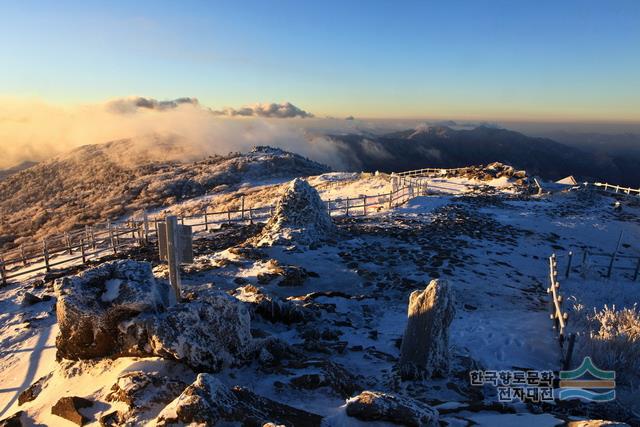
x,y
612,338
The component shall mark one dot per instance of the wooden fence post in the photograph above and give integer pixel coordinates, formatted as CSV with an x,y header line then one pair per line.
x,y
93,238
206,221
24,258
68,240
145,226
347,205
251,215
45,253
3,272
569,265
111,238
242,208
364,204
229,216
84,257
613,256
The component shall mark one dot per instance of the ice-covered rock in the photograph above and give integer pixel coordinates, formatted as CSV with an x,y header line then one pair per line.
x,y
271,307
143,392
205,334
92,305
300,216
207,401
425,345
378,406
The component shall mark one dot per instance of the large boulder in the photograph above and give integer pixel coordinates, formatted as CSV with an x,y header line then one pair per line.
x,y
425,345
378,406
300,216
207,401
92,305
207,334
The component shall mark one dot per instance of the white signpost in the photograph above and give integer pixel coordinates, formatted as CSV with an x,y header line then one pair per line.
x,y
176,247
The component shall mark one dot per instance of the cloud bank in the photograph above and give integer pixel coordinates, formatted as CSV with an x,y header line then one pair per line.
x,y
285,110
34,130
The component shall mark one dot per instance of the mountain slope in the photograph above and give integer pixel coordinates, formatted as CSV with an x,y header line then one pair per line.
x,y
105,181
441,146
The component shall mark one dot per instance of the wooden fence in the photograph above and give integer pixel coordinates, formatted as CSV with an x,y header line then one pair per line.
x,y
91,242
616,188
558,316
430,171
612,261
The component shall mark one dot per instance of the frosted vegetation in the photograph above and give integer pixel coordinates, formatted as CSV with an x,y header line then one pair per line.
x,y
98,182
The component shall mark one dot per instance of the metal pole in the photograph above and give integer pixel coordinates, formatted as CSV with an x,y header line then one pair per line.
x,y
569,265
172,254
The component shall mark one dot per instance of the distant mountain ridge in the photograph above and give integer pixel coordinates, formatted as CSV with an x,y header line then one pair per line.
x,y
442,146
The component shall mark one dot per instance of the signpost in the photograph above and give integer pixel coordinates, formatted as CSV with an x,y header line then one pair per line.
x,y
176,247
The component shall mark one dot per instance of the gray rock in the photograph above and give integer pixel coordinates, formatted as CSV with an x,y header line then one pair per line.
x,y
300,216
208,401
92,305
205,334
378,406
425,345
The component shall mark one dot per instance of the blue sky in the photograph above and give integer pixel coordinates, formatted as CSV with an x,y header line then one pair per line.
x,y
534,60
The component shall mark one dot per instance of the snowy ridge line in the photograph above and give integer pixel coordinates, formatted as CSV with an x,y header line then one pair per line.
x,y
92,242
559,317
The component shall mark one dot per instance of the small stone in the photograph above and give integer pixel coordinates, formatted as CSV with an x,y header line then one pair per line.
x,y
69,409
12,421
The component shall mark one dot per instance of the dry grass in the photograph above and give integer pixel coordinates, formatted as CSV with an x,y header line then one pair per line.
x,y
612,338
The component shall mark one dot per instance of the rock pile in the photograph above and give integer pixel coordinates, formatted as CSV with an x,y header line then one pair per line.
x,y
300,216
491,171
120,309
425,345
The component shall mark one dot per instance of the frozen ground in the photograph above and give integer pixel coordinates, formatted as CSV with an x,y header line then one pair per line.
x,y
492,248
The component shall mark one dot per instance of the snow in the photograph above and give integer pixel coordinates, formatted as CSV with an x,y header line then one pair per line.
x,y
112,290
498,269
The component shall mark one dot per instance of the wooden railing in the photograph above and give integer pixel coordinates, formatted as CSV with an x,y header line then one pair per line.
x,y
430,171
80,246
616,188
559,317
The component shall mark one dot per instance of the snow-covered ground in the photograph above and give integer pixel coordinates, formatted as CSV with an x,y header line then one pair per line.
x,y
492,249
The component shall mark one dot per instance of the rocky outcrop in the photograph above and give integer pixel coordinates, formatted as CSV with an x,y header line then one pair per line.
x,y
119,309
271,307
69,409
325,373
208,401
377,406
425,345
91,306
14,420
300,216
205,334
142,392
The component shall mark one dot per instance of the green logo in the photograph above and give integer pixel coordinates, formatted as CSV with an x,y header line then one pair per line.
x,y
588,382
